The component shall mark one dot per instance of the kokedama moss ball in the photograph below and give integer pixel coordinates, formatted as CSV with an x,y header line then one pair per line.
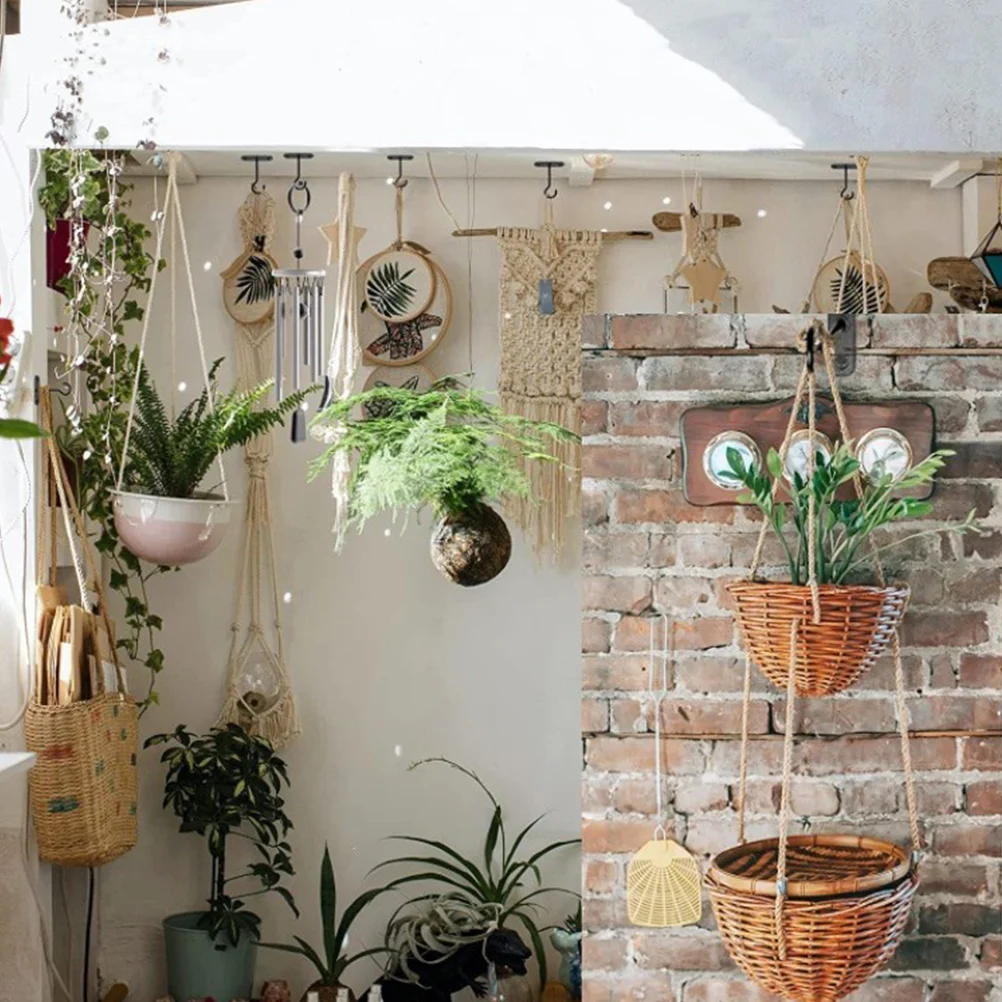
x,y
471,548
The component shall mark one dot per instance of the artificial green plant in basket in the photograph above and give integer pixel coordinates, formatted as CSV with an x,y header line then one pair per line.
x,y
858,618
162,514
447,449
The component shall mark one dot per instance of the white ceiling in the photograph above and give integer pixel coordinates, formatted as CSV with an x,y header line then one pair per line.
x,y
799,166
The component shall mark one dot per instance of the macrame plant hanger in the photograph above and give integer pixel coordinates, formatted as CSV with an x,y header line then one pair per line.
x,y
662,879
259,693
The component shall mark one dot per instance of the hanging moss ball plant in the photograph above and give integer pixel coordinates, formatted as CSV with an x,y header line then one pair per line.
x,y
447,449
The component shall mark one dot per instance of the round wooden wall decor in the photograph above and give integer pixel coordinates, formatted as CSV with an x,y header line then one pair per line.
x,y
873,296
398,284
404,377
404,342
248,288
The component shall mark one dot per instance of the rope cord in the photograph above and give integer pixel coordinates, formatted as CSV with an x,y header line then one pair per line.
x,y
659,695
784,804
743,775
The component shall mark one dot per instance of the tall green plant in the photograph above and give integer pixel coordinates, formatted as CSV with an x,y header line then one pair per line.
x,y
171,456
509,882
842,527
333,961
224,785
105,291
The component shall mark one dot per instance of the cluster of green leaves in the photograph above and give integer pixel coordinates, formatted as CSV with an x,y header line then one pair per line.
x,y
334,960
841,526
224,784
499,882
171,456
100,301
446,448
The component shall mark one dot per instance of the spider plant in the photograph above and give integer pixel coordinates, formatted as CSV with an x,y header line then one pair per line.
x,y
505,881
842,527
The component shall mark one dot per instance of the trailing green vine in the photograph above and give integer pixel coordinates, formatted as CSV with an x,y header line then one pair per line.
x,y
109,276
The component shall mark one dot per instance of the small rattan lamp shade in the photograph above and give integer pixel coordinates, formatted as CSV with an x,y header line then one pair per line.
x,y
663,886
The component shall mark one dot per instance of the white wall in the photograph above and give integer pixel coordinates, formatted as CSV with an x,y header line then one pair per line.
x,y
382,650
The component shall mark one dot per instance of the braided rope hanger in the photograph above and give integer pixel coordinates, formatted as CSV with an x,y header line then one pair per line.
x,y
808,382
267,714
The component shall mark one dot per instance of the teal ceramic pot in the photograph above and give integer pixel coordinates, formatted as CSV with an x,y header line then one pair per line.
x,y
568,945
199,968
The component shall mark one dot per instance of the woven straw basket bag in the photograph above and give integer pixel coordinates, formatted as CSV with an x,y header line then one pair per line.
x,y
83,787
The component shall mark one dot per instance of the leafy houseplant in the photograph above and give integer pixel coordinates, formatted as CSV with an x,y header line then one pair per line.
x,y
447,449
505,882
224,785
334,961
832,632
170,457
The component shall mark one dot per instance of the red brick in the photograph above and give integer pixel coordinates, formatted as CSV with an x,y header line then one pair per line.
x,y
942,673
961,991
836,716
988,545
954,877
599,914
689,373
961,918
601,876
984,797
968,840
807,798
635,796
876,754
871,797
615,672
704,551
614,834
681,716
929,953
940,373
982,753
603,550
990,413
899,330
632,633
872,374
981,671
684,592
652,331
945,629
628,717
772,330
662,549
743,548
953,712
717,675
595,634
594,715
695,798
952,414
596,794
602,461
609,754
724,990
977,460
881,675
594,417
991,954
664,507
594,507
646,418
603,954
595,330
694,952
979,330
627,989
889,990
937,799
616,594
608,375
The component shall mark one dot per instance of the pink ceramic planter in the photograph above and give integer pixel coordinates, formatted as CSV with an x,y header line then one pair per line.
x,y
171,531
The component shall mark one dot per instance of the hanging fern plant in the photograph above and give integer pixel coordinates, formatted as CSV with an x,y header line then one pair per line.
x,y
388,290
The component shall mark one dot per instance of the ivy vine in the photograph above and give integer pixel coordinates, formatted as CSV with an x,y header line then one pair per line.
x,y
109,277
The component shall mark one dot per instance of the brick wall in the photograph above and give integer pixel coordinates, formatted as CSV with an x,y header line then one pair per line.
x,y
647,551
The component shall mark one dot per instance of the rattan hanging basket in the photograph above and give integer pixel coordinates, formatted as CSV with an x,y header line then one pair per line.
x,y
857,623
847,904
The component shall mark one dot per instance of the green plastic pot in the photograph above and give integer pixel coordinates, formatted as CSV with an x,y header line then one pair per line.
x,y
199,968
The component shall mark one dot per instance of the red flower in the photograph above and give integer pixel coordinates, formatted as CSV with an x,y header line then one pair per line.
x,y
6,330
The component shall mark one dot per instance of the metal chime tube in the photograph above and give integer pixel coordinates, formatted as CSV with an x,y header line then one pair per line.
x,y
308,327
279,336
297,334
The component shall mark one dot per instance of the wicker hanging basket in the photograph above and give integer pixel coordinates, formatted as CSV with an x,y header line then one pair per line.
x,y
857,623
846,907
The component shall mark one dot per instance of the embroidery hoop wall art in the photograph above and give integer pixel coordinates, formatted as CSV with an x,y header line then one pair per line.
x,y
405,301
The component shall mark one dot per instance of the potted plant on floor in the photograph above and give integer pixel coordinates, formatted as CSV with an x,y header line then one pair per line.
x,y
334,961
509,884
224,785
857,620
161,514
447,449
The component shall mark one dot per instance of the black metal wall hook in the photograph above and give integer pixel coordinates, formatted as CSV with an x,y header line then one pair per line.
x,y
549,191
845,193
257,159
400,158
299,184
810,339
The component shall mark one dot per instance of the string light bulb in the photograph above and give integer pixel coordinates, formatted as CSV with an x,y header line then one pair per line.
x,y
761,213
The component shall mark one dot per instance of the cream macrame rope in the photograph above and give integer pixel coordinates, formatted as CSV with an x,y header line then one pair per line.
x,y
277,720
172,201
784,803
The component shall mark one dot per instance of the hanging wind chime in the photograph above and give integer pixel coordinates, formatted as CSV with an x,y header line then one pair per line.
x,y
299,309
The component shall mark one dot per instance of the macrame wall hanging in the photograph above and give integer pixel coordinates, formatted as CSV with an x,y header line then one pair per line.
x,y
258,690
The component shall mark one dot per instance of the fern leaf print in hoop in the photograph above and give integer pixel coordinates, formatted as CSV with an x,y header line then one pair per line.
x,y
401,377
248,288
401,342
255,283
865,290
399,284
